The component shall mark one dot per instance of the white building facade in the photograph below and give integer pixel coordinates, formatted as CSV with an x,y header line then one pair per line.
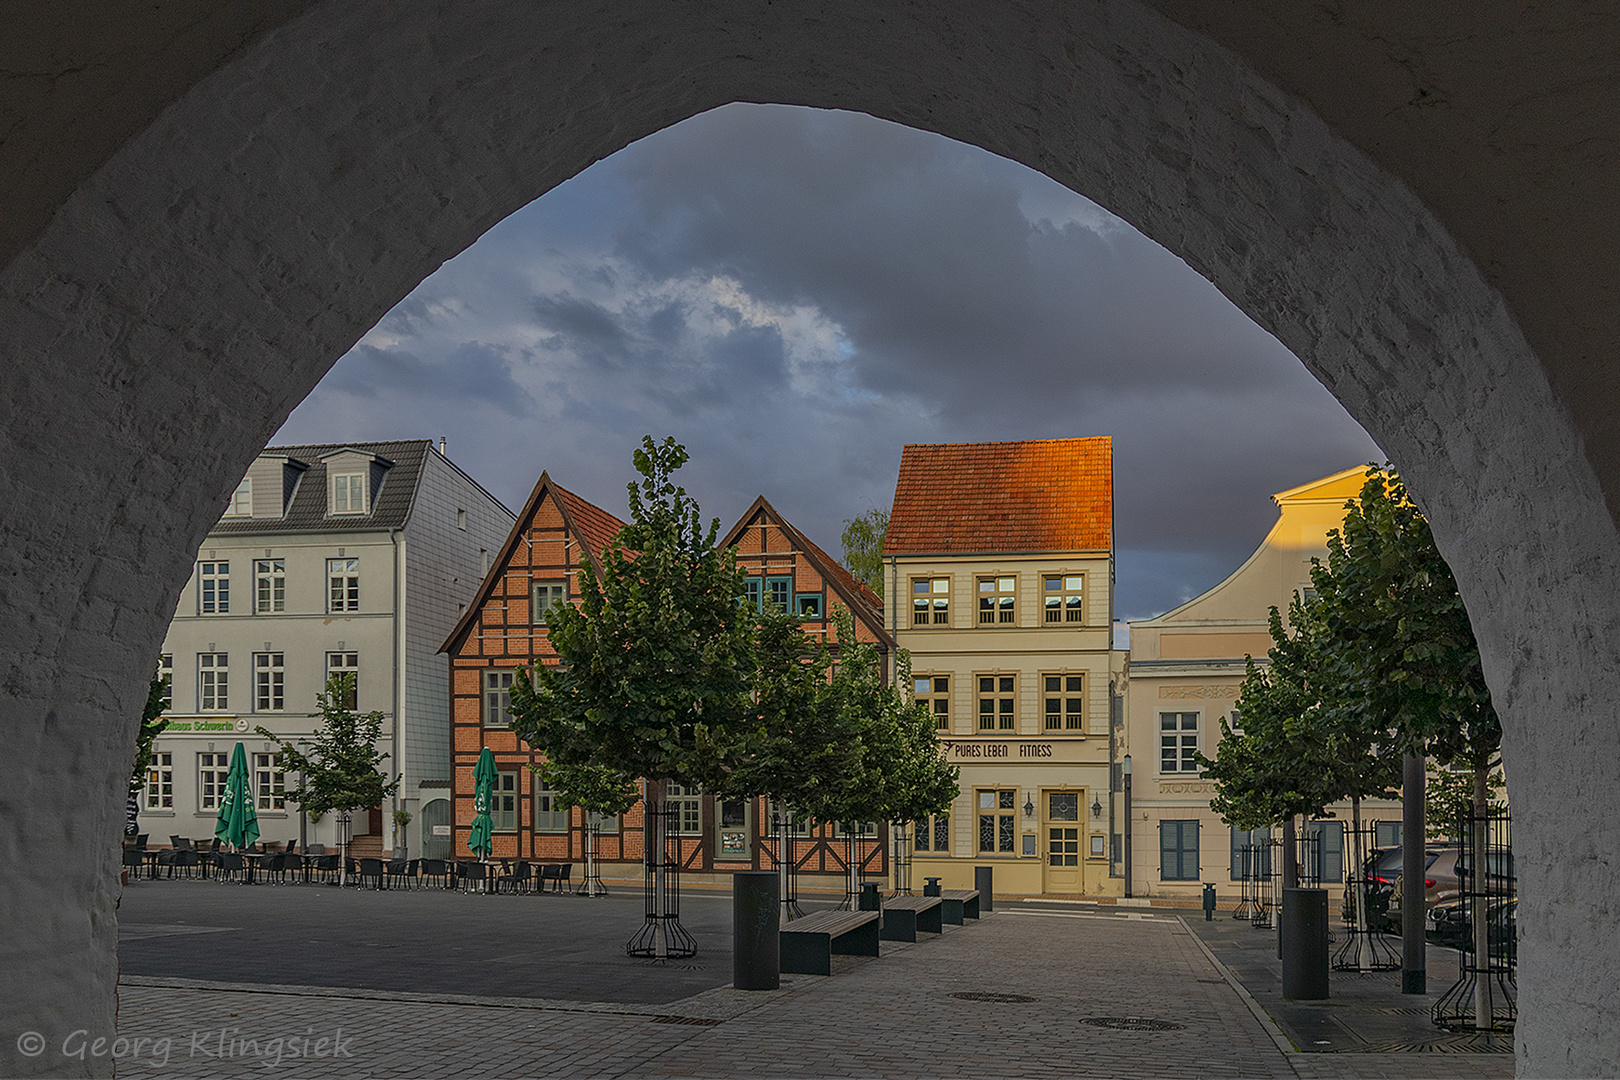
x,y
353,559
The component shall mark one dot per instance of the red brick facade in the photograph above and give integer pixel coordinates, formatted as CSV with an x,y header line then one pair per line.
x,y
559,536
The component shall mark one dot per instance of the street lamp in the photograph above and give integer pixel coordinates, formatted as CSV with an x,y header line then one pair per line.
x,y
1126,769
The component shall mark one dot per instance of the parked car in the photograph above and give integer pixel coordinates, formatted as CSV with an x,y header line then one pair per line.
x,y
1378,870
1448,925
1443,879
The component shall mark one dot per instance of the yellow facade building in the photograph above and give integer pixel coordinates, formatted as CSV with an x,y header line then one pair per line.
x,y
999,569
1182,678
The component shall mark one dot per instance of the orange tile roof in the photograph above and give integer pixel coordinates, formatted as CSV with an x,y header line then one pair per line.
x,y
1037,495
594,525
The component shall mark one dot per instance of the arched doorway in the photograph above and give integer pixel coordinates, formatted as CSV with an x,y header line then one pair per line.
x,y
193,289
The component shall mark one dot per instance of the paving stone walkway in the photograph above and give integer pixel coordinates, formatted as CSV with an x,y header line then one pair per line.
x,y
1023,993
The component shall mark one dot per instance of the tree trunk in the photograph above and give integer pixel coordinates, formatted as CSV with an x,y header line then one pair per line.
x,y
1479,877
1414,955
1359,888
653,838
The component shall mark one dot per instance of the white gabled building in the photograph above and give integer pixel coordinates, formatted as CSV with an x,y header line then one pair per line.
x,y
354,558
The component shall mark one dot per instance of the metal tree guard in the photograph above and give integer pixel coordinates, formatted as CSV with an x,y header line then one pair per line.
x,y
592,885
902,858
1363,948
787,869
1265,875
662,937
1485,997
1246,875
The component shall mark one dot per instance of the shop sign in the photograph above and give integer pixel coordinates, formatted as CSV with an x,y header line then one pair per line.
x,y
1012,750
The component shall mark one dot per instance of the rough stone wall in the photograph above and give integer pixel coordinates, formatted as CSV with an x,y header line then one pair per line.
x,y
196,287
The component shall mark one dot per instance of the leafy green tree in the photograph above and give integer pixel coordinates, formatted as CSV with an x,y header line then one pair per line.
x,y
862,540
152,725
1448,796
341,769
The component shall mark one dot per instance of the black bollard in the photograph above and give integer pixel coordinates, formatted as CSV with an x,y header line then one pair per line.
x,y
1209,901
983,880
755,928
1305,944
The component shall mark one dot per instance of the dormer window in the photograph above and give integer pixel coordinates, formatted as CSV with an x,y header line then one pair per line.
x,y
349,493
241,500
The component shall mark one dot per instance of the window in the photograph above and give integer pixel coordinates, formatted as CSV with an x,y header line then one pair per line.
x,y
997,599
777,811
1324,851
934,833
608,823
934,691
342,584
931,601
1064,598
1064,703
498,697
1062,839
345,666
212,770
269,782
166,673
998,820
349,493
1178,851
214,588
857,828
685,801
549,813
269,586
542,595
1178,742
1387,833
1251,854
998,698
160,782
213,681
241,500
461,519
503,808
807,605
269,682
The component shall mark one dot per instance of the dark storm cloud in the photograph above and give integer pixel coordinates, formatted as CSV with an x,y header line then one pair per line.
x,y
795,294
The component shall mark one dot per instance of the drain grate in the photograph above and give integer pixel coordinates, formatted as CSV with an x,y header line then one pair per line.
x,y
1001,999
1465,1045
1130,1023
690,1021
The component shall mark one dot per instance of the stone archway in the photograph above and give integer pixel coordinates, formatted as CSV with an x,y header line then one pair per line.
x,y
194,288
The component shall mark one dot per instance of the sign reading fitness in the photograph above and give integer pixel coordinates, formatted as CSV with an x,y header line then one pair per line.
x,y
1013,750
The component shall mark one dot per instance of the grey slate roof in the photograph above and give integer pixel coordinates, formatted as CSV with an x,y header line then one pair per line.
x,y
306,513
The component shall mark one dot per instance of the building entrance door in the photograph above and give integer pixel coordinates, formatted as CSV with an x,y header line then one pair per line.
x,y
1062,836
734,830
436,829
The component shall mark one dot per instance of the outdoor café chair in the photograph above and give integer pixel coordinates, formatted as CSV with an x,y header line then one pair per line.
x,y
434,870
520,878
565,872
293,868
371,869
399,870
469,873
228,865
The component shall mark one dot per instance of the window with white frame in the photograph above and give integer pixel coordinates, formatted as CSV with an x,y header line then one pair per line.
x,y
269,682
550,815
1063,598
166,674
269,586
998,702
269,782
498,697
214,587
213,681
777,811
349,493
933,833
241,500
857,828
212,772
503,808
998,600
345,666
685,802
998,820
934,691
931,601
160,782
1064,702
542,595
1178,742
342,584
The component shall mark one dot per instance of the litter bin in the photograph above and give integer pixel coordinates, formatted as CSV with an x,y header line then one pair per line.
x,y
984,881
1209,901
932,886
869,900
756,944
1305,944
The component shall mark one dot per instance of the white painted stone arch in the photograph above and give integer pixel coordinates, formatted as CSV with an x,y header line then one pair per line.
x,y
195,289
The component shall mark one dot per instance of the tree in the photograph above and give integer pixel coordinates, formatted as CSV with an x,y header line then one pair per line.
x,y
152,725
341,769
862,540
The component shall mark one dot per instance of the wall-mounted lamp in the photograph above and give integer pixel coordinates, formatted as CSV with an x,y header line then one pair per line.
x,y
1029,807
1096,808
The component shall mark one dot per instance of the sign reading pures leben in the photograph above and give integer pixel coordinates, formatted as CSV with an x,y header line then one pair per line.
x,y
1014,750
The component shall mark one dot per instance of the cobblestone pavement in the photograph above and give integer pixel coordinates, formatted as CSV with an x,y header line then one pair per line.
x,y
1019,994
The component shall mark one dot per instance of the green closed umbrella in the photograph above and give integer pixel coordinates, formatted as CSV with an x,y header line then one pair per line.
x,y
238,822
483,795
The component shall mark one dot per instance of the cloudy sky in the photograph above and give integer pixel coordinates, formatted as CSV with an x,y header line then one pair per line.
x,y
795,294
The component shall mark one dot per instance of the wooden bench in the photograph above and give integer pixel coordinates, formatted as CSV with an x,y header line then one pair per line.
x,y
808,944
904,916
959,904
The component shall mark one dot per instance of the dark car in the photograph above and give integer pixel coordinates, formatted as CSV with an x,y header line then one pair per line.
x,y
1378,870
1448,925
1444,878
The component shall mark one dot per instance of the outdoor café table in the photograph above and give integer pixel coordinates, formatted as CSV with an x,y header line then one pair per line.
x,y
250,863
150,858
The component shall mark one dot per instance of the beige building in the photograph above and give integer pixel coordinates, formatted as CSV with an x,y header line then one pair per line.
x,y
1183,674
999,568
